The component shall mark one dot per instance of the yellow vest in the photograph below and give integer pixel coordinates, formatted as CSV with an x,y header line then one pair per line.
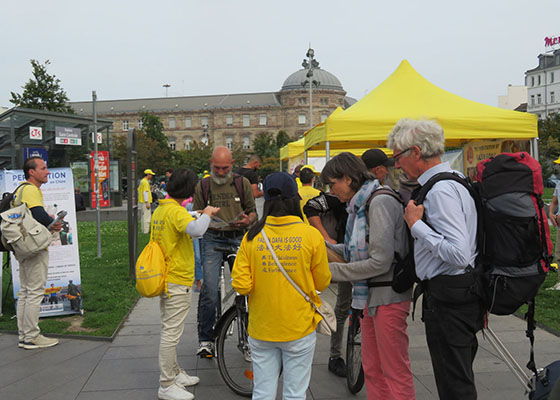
x,y
144,187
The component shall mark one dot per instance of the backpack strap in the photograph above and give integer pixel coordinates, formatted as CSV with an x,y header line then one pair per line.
x,y
237,181
20,194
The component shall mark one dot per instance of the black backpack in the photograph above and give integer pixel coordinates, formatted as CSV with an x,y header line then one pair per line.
x,y
404,274
6,204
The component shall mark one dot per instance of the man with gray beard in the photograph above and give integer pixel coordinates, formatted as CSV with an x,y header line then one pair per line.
x,y
238,209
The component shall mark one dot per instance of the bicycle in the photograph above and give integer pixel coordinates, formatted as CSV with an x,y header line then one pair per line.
x,y
232,345
354,368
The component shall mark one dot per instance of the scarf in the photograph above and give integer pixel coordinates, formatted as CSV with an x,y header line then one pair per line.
x,y
355,238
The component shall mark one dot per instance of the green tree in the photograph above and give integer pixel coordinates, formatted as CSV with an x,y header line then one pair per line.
x,y
196,159
549,143
282,139
264,145
43,92
149,154
153,128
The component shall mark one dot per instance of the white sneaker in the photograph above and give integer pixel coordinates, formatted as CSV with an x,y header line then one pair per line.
x,y
40,342
174,392
185,379
205,349
555,287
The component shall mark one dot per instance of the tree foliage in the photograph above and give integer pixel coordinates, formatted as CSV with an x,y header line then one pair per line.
x,y
42,92
549,142
153,128
149,153
196,159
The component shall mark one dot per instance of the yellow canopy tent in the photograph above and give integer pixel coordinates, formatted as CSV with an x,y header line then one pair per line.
x,y
406,94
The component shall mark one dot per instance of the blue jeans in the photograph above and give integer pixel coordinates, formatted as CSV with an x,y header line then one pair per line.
x,y
295,356
211,263
197,261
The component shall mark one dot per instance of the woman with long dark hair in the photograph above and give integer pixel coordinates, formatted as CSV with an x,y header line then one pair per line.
x,y
375,232
281,322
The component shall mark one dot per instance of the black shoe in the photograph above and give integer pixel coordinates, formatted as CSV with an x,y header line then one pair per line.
x,y
337,366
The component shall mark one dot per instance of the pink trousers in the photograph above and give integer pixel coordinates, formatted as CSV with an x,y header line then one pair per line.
x,y
385,353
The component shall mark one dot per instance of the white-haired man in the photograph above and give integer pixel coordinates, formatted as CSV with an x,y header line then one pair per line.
x,y
444,230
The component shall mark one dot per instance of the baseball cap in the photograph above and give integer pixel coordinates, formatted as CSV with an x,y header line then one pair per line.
x,y
149,171
311,167
279,184
557,161
375,157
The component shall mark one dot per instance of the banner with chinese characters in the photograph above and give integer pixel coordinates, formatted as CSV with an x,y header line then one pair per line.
x,y
474,152
63,289
102,179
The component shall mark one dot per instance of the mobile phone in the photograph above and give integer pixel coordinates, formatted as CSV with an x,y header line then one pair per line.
x,y
59,217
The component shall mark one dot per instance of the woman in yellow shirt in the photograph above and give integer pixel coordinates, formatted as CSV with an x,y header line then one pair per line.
x,y
281,322
173,228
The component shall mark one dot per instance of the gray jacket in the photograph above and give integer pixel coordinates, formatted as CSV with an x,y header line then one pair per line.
x,y
387,234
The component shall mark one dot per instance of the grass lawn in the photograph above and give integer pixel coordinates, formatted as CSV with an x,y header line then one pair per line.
x,y
107,291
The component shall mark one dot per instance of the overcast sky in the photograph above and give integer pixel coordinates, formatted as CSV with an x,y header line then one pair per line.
x,y
129,49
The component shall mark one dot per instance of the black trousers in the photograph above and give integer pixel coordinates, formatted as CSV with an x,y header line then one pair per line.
x,y
451,329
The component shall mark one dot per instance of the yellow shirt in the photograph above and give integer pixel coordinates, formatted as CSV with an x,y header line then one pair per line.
x,y
168,228
277,312
306,193
144,187
31,195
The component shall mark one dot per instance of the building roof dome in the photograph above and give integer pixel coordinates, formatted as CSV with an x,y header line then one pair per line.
x,y
326,80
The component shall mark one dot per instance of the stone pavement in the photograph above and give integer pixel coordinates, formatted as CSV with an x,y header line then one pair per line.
x,y
127,368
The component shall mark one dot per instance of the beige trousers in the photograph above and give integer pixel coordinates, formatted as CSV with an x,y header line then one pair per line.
x,y
174,307
145,217
33,278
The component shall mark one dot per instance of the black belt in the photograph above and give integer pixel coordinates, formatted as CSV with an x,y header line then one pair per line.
x,y
228,234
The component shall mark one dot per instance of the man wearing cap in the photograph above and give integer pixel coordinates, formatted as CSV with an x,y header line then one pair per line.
x,y
377,163
307,191
554,214
249,172
237,208
145,200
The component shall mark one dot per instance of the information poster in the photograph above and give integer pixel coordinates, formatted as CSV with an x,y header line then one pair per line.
x,y
474,152
63,289
103,179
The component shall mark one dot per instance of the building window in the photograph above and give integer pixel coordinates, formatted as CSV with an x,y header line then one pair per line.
x,y
324,101
552,97
539,80
262,120
140,124
552,77
229,142
204,121
532,81
532,99
324,117
125,125
172,144
171,122
246,120
302,119
188,142
246,142
188,122
302,100
539,98
229,120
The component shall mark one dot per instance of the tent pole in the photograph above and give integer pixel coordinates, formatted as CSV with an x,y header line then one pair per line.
x,y
306,162
327,151
535,148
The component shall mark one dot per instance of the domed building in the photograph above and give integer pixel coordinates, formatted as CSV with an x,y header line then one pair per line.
x,y
230,118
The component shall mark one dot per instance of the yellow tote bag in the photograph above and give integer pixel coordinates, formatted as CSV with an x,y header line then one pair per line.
x,y
151,271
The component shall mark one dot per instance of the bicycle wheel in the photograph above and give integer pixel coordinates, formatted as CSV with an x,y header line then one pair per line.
x,y
234,356
354,369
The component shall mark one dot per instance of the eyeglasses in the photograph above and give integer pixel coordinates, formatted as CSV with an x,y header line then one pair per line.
x,y
400,153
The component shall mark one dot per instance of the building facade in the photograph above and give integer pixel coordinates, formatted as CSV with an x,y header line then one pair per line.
x,y
516,95
543,85
230,118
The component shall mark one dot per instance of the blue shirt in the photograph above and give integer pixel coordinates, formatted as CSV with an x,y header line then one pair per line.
x,y
450,210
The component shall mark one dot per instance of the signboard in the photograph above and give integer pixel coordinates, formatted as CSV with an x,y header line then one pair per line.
x,y
474,152
35,152
99,138
553,42
64,256
35,133
102,181
68,136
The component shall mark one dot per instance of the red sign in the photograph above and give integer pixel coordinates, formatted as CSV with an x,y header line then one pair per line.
x,y
551,41
102,179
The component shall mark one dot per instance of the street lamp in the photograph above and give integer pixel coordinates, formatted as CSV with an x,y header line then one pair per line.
x,y
166,86
310,64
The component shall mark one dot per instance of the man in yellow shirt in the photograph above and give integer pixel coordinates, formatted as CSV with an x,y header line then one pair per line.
x,y
33,270
307,191
145,200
